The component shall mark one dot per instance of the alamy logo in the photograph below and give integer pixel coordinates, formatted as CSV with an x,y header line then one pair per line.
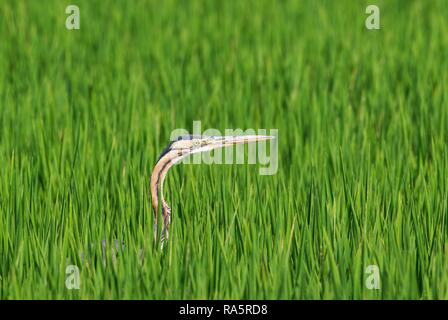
x,y
72,21
72,279
373,278
263,152
373,20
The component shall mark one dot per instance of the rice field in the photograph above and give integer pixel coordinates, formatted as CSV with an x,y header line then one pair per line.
x,y
362,119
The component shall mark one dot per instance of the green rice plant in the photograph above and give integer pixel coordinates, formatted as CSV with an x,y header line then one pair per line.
x,y
363,164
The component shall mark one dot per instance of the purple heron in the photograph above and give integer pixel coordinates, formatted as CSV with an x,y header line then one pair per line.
x,y
177,150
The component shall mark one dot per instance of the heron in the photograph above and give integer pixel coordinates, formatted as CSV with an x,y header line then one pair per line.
x,y
178,149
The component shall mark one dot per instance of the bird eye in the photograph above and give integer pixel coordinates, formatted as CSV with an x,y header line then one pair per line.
x,y
196,142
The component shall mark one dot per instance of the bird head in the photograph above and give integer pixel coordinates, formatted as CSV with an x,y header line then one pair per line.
x,y
185,145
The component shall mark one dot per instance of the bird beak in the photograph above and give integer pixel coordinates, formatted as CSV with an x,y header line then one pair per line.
x,y
226,141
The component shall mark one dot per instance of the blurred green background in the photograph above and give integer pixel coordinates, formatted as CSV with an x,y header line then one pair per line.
x,y
362,177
